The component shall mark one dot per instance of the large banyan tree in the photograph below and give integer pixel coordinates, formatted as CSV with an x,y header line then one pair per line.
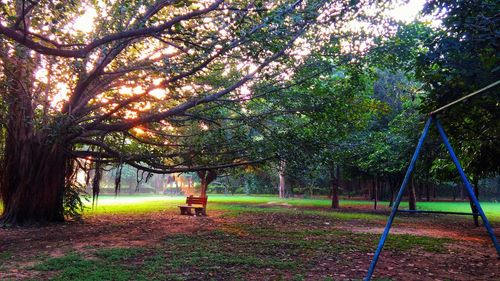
x,y
160,85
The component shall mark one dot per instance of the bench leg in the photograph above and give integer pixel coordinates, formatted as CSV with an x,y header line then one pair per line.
x,y
186,211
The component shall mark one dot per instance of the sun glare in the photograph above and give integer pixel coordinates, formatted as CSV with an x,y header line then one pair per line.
x,y
158,93
61,96
138,131
85,23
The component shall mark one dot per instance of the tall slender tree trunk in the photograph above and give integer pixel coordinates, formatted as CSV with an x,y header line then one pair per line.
x,y
334,180
131,185
369,188
359,188
281,187
350,188
420,190
392,186
177,188
375,192
473,207
412,198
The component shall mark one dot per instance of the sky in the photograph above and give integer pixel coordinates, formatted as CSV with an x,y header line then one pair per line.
x,y
408,12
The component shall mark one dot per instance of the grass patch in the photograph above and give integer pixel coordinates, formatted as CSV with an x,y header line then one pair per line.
x,y
107,264
118,254
5,255
234,205
238,209
295,252
406,242
212,250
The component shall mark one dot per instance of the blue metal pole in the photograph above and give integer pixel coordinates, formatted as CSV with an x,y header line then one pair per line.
x,y
468,187
398,200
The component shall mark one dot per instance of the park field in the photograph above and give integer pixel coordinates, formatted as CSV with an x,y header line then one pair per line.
x,y
151,203
251,238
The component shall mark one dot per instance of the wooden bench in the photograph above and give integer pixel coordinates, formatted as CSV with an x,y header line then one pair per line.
x,y
199,204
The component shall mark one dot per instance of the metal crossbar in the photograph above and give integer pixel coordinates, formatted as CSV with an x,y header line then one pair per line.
x,y
437,212
465,97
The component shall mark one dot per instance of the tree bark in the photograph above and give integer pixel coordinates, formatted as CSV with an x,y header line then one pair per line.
x,y
334,180
375,193
412,198
392,183
206,177
473,207
34,166
281,187
131,185
32,184
428,191
420,191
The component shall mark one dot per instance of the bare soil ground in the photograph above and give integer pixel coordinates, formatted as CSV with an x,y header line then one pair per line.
x,y
469,255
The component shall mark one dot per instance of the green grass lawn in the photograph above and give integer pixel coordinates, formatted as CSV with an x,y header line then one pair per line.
x,y
123,204
149,203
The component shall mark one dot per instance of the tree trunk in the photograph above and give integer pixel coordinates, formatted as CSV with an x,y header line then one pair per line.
x,y
34,168
334,180
206,178
131,185
177,188
349,187
412,199
375,193
359,189
420,191
32,183
281,186
472,205
369,189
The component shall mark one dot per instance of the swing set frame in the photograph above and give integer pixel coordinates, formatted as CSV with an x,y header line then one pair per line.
x,y
434,120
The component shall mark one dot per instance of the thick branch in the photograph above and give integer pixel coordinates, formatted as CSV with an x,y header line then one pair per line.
x,y
180,109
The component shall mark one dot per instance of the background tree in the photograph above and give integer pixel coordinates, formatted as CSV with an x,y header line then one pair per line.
x,y
462,58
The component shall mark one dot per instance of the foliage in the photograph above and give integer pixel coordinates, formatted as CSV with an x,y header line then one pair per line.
x,y
462,58
74,198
